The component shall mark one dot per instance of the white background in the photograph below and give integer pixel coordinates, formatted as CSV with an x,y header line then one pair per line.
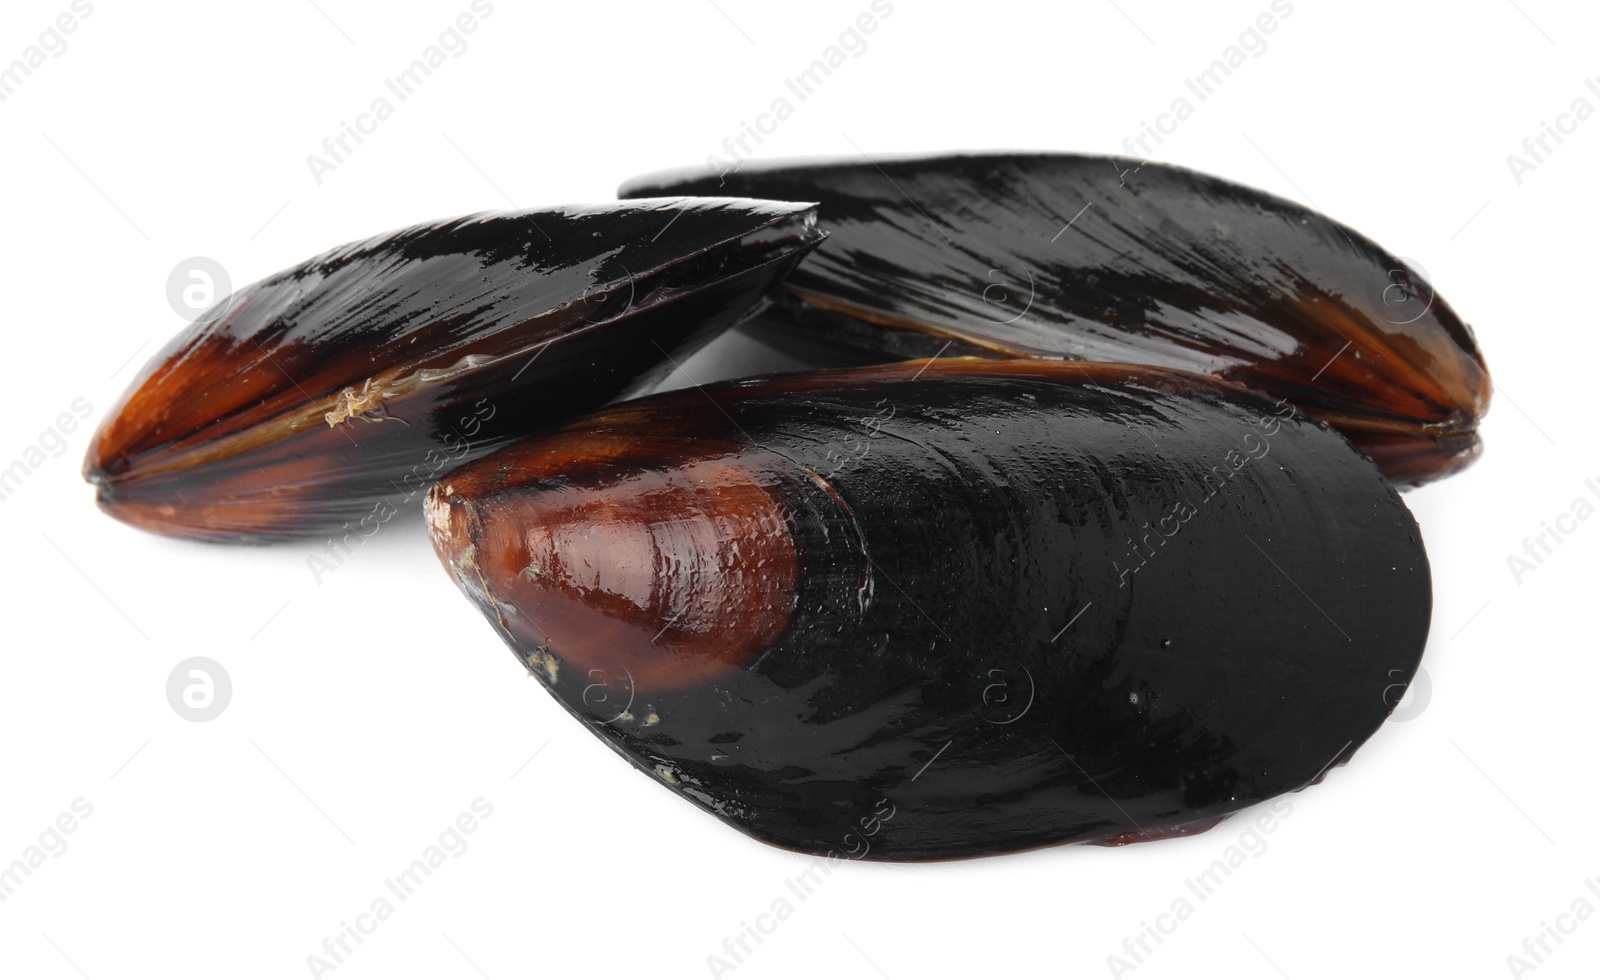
x,y
371,709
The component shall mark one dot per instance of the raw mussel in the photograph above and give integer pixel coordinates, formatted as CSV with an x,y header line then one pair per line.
x,y
1109,259
321,398
952,607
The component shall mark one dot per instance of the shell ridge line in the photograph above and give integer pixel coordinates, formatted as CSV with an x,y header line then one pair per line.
x,y
868,587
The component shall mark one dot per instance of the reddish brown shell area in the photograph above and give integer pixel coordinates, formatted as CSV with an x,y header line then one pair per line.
x,y
674,577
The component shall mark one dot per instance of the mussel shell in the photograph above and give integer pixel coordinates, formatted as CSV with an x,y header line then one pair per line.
x,y
1011,603
1109,259
321,398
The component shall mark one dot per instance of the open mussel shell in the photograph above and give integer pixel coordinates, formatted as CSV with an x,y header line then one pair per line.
x,y
323,398
954,607
1109,259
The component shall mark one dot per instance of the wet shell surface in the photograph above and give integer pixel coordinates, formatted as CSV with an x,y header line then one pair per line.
x,y
1110,259
977,605
324,397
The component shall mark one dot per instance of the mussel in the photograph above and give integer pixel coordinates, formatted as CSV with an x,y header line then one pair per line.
x,y
1130,559
975,605
1110,259
321,397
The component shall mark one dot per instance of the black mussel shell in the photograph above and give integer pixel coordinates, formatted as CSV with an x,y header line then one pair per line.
x,y
955,607
1108,259
321,398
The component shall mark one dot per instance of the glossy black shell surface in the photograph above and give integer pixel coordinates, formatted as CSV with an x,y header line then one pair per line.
x,y
322,398
1111,259
1016,603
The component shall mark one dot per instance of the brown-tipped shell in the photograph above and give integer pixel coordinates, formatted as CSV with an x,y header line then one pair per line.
x,y
954,607
324,398
1107,259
